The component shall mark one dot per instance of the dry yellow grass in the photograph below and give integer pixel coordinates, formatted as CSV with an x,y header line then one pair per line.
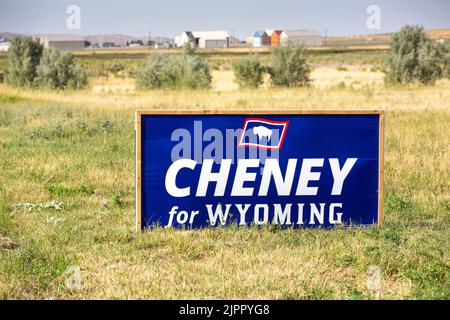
x,y
322,77
355,77
352,77
364,89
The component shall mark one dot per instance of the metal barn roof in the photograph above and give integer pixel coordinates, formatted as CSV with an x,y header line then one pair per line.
x,y
212,35
258,33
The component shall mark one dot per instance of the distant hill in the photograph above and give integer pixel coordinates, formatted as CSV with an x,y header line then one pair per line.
x,y
122,39
374,39
8,35
436,34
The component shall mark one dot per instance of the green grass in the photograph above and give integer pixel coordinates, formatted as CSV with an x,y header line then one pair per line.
x,y
83,156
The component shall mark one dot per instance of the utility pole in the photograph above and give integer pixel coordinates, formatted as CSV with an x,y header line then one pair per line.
x,y
326,37
149,42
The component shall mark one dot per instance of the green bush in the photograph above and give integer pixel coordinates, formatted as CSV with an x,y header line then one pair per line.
x,y
249,72
150,75
57,70
23,58
115,68
196,72
412,57
188,49
163,71
29,64
288,67
444,54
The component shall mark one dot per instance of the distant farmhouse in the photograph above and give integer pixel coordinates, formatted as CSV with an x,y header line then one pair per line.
x,y
275,38
63,42
204,39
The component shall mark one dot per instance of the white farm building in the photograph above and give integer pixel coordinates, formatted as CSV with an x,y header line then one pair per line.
x,y
4,46
204,39
261,39
308,38
62,42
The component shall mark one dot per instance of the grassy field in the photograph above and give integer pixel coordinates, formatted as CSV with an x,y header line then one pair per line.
x,y
67,199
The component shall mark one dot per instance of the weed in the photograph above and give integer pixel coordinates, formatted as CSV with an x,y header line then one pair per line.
x,y
61,191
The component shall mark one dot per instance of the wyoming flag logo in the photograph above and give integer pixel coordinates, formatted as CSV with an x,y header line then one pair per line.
x,y
263,133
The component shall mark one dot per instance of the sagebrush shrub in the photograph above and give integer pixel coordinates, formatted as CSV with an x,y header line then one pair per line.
x,y
288,67
29,64
444,54
249,72
171,73
57,70
163,71
188,49
149,75
412,57
23,58
197,74
116,68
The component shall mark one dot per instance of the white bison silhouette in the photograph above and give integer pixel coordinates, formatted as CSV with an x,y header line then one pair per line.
x,y
262,131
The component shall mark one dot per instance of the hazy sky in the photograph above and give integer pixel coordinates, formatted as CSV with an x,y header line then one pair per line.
x,y
239,17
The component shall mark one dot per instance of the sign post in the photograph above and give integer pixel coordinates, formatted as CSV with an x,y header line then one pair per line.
x,y
292,168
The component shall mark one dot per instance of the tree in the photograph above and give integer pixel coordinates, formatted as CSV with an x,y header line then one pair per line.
x,y
23,58
288,67
412,57
57,70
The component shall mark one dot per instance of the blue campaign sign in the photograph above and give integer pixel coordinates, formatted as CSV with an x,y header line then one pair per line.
x,y
301,169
